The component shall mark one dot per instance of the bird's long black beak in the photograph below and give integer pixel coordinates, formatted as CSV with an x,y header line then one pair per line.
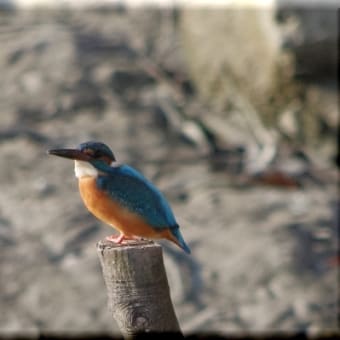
x,y
70,153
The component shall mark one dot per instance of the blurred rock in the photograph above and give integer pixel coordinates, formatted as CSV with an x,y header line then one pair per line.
x,y
277,64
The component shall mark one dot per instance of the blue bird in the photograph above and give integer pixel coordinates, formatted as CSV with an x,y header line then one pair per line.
x,y
121,196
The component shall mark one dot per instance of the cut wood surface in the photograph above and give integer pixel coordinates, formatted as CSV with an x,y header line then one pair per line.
x,y
137,287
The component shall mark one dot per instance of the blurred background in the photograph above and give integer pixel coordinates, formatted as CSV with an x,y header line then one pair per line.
x,y
231,111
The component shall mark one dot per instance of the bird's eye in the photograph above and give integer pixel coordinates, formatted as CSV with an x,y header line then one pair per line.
x,y
97,154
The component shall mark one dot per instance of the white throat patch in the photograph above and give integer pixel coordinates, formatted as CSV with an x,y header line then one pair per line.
x,y
82,169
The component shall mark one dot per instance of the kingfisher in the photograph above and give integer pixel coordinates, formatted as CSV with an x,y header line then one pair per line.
x,y
121,196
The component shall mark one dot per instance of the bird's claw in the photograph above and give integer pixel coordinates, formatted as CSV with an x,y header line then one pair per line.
x,y
121,237
116,239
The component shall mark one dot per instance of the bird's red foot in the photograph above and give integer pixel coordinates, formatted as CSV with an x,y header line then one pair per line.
x,y
116,239
121,237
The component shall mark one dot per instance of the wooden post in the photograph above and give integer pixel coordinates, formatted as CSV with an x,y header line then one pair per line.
x,y
137,287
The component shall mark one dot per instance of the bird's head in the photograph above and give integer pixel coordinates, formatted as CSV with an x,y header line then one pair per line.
x,y
96,154
87,152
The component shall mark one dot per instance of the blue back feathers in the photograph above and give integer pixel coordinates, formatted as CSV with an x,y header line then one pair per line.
x,y
131,189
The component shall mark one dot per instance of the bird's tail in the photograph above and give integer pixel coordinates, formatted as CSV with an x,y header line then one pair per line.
x,y
178,239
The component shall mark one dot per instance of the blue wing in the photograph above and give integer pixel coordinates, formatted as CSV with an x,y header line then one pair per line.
x,y
131,189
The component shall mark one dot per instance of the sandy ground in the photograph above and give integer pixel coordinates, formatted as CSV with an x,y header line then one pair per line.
x,y
262,257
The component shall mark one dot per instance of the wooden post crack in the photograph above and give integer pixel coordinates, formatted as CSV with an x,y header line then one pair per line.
x,y
137,287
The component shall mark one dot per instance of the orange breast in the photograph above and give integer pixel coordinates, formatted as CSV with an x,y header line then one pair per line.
x,y
109,211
